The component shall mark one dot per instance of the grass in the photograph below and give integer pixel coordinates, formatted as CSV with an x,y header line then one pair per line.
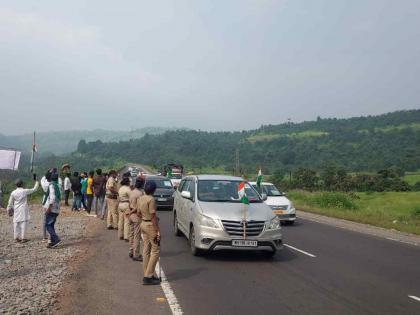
x,y
412,177
297,135
396,210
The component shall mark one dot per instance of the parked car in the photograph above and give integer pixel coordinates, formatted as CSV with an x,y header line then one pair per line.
x,y
278,202
208,211
164,191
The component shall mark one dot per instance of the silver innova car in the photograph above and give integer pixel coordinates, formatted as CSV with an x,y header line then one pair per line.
x,y
208,211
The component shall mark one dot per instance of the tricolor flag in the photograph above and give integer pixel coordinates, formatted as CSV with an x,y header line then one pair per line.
x,y
34,149
259,178
169,173
241,193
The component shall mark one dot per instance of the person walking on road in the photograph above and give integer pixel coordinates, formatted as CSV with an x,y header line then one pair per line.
x,y
146,209
89,191
76,187
67,189
134,231
124,208
18,201
98,192
52,210
112,200
45,184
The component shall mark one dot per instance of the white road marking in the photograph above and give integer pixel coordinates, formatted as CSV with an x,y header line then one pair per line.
x,y
167,290
300,251
414,298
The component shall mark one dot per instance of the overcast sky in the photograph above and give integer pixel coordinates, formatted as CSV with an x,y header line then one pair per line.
x,y
208,65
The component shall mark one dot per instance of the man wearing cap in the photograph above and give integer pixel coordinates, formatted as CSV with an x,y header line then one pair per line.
x,y
18,202
146,209
134,231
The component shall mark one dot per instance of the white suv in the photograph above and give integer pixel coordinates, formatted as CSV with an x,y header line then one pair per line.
x,y
208,211
278,202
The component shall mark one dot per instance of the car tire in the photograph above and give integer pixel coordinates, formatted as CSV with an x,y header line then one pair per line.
x,y
177,231
194,250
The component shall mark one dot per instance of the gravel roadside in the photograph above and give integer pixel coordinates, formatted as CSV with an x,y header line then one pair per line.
x,y
32,275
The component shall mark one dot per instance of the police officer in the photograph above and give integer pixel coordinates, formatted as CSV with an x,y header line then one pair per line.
x,y
112,200
146,209
134,234
124,208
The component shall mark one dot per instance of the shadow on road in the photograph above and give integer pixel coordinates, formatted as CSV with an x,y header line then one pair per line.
x,y
184,273
228,256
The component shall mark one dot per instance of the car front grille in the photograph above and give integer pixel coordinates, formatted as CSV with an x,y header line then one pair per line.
x,y
283,207
236,228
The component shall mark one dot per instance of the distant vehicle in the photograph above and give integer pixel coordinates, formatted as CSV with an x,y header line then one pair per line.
x,y
173,171
278,202
207,210
134,171
164,191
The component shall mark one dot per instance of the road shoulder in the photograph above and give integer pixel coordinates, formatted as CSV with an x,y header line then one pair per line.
x,y
392,235
109,282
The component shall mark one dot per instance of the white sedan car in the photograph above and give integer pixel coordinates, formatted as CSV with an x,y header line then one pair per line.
x,y
278,202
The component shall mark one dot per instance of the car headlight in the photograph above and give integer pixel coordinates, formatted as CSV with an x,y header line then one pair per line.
x,y
209,222
273,224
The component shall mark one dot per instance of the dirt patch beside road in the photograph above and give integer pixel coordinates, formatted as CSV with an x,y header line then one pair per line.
x,y
32,275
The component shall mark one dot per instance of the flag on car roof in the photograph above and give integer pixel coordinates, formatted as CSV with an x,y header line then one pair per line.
x,y
241,193
259,178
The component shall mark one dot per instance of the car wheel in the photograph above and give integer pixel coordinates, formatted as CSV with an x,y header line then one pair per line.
x,y
194,250
177,231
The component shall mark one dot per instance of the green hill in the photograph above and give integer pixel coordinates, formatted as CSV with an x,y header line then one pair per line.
x,y
63,142
356,144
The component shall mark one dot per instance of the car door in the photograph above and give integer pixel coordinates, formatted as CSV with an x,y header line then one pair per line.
x,y
189,204
178,201
182,219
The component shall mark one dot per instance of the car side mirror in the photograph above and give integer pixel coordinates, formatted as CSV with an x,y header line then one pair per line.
x,y
264,196
186,194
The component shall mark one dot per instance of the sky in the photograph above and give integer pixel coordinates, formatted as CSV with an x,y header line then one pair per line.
x,y
209,65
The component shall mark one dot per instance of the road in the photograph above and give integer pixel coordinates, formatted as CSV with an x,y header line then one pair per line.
x,y
351,273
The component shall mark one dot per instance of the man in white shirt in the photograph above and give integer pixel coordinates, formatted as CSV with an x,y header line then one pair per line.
x,y
18,201
52,210
67,188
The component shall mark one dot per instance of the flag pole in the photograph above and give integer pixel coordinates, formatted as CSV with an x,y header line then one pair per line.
x,y
33,153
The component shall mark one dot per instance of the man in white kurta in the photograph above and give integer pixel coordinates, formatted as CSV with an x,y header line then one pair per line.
x,y
18,201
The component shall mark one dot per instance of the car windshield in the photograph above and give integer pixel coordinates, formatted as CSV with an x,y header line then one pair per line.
x,y
268,189
224,191
162,183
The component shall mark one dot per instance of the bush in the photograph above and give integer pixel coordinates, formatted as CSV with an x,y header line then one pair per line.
x,y
415,213
335,200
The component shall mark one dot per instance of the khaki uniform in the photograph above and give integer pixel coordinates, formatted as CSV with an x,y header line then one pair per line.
x,y
146,206
112,203
134,234
123,211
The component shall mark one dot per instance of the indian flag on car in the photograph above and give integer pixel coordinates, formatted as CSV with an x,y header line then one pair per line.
x,y
241,193
259,178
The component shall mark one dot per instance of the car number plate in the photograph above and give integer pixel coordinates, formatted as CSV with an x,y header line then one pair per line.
x,y
278,211
244,243
162,199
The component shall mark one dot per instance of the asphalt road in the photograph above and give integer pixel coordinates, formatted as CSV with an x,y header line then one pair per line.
x,y
348,273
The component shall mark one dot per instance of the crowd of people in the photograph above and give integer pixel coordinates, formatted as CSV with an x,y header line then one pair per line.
x,y
126,205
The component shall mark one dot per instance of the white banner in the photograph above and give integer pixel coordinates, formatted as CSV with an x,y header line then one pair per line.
x,y
9,160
